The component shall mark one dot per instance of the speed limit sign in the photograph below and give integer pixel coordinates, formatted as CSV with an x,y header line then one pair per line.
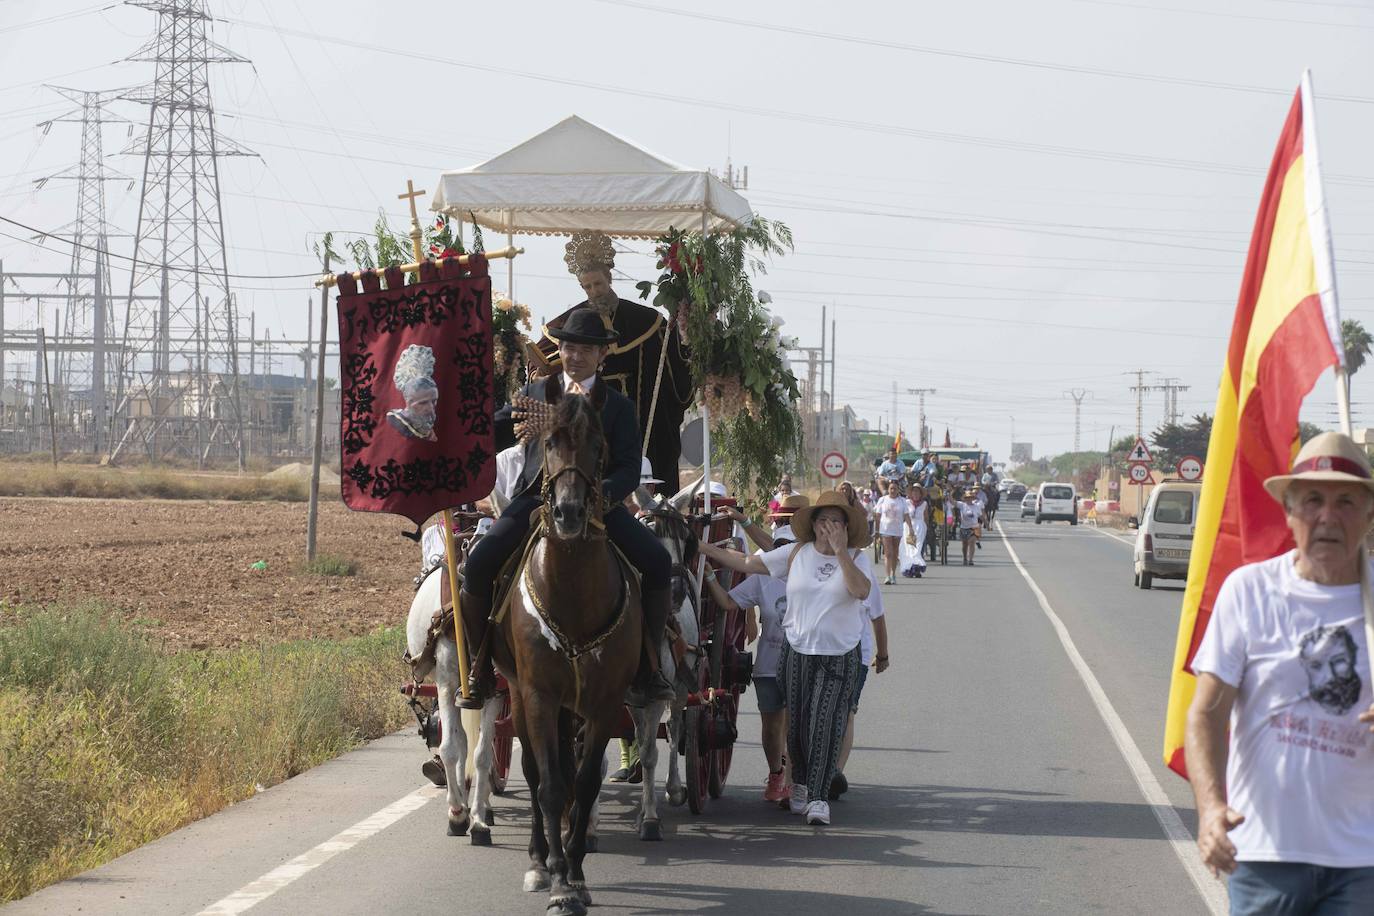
x,y
1140,472
834,465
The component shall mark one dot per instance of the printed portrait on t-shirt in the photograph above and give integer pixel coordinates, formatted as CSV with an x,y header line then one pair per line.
x,y
825,571
1329,658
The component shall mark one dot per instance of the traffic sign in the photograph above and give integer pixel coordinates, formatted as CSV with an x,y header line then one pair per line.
x,y
1190,467
1140,452
1140,472
834,465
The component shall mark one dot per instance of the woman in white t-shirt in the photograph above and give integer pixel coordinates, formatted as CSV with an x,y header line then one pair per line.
x,y
828,579
892,512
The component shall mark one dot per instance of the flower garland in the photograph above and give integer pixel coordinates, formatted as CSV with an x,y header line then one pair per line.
x,y
738,355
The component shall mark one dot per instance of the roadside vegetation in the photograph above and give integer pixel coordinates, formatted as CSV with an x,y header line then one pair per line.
x,y
326,564
108,742
26,478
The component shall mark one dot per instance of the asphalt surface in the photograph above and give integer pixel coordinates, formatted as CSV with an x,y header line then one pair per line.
x,y
985,780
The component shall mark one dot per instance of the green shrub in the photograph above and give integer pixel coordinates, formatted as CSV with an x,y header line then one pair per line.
x,y
107,742
328,565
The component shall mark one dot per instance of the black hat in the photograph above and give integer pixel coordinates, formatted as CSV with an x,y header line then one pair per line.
x,y
586,327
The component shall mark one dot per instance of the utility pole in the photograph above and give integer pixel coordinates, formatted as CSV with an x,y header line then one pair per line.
x,y
1139,389
922,435
1078,394
179,249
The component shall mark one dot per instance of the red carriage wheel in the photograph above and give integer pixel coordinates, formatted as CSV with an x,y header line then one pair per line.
x,y
503,742
698,760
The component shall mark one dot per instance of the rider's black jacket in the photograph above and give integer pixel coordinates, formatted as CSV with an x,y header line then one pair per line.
x,y
619,425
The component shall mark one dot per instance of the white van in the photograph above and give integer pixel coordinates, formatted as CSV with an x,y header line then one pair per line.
x,y
1164,539
1056,502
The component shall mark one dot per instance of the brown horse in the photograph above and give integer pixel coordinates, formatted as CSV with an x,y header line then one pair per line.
x,y
570,649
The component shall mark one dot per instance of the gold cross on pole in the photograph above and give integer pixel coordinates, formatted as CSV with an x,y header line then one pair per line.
x,y
416,235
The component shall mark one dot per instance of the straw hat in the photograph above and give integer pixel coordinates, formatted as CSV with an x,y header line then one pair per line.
x,y
789,504
646,472
1330,457
858,521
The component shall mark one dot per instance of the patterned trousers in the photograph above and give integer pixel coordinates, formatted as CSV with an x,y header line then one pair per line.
x,y
820,690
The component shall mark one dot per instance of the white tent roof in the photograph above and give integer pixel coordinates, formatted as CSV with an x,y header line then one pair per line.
x,y
577,176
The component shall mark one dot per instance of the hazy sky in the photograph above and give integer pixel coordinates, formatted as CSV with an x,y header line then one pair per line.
x,y
1002,200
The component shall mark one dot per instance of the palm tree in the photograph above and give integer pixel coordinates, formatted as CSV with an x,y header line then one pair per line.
x,y
1356,342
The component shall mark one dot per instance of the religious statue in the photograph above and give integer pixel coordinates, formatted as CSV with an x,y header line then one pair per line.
x,y
632,365
414,379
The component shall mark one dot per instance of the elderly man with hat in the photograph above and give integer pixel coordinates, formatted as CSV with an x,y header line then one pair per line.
x,y
583,344
1286,802
829,577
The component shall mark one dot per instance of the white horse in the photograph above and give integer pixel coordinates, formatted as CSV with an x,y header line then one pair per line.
x,y
474,818
673,532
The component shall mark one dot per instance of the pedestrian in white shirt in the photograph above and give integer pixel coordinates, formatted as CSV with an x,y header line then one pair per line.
x,y
913,547
892,513
828,579
970,516
872,653
1278,740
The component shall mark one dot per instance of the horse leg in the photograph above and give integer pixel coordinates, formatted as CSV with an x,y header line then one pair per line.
x,y
646,733
587,787
549,747
537,876
483,758
453,746
677,792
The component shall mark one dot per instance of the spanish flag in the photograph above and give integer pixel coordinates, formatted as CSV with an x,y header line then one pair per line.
x,y
1285,334
897,443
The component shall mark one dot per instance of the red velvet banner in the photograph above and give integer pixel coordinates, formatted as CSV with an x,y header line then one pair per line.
x,y
416,382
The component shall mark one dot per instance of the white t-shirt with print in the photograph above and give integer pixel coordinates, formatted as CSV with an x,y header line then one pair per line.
x,y
769,595
891,512
1301,765
822,617
873,609
969,514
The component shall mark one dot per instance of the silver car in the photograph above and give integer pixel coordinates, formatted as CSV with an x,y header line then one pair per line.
x,y
1028,504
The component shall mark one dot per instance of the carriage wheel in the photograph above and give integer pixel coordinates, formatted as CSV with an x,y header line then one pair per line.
x,y
698,761
720,760
502,745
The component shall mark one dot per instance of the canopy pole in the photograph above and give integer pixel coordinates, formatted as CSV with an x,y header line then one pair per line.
x,y
510,266
705,415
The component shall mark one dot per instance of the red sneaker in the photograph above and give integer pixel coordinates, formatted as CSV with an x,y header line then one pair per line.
x,y
776,789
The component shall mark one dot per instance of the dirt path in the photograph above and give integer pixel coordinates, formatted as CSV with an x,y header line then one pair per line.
x,y
182,567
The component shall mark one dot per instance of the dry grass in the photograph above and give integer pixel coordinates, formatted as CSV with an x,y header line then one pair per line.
x,y
22,478
107,742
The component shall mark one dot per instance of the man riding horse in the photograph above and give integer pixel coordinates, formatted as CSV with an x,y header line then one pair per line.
x,y
583,343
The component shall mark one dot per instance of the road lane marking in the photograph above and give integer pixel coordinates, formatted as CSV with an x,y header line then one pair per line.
x,y
1129,542
255,892
1212,891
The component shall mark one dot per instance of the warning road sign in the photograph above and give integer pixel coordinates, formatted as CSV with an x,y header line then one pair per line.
x,y
1139,452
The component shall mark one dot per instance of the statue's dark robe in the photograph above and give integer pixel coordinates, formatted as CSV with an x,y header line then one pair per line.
x,y
631,367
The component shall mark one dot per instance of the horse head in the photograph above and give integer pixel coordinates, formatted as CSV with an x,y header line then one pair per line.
x,y
677,536
574,453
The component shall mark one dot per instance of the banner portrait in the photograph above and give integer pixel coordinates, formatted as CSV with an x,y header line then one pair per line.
x,y
415,365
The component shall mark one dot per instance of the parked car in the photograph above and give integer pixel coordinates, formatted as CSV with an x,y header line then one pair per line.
x,y
1028,503
1056,502
1164,539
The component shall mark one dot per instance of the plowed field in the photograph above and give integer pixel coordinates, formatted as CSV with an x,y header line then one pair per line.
x,y
182,568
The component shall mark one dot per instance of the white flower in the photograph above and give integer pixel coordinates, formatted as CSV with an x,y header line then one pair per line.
x,y
764,297
776,321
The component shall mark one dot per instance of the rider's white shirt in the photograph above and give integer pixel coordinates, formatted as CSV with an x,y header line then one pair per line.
x,y
587,383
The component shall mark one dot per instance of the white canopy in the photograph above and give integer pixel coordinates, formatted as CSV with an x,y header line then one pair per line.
x,y
577,176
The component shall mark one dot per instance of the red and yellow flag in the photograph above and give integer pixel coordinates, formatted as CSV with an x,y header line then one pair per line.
x,y
897,443
1285,334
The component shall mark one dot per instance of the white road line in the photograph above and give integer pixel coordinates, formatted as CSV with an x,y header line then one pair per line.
x,y
250,895
1128,541
1213,891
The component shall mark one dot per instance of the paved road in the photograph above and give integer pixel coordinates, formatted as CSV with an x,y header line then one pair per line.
x,y
986,780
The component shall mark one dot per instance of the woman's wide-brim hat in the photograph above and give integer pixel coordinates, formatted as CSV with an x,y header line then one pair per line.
x,y
1327,458
790,504
585,327
854,516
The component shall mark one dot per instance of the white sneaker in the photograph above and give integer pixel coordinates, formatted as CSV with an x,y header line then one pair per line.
x,y
818,812
798,803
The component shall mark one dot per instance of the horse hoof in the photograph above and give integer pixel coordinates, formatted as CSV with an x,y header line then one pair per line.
x,y
677,798
480,836
458,826
651,829
582,893
536,879
592,844
566,906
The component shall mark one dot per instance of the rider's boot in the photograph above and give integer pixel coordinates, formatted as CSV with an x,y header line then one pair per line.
x,y
650,685
481,677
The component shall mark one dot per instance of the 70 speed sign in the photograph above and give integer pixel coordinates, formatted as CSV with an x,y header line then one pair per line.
x,y
1140,472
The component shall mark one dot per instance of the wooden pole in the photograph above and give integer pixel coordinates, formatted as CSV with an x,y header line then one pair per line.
x,y
450,543
317,450
47,387
411,268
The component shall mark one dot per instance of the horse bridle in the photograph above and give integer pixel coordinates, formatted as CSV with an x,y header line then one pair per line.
x,y
595,511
